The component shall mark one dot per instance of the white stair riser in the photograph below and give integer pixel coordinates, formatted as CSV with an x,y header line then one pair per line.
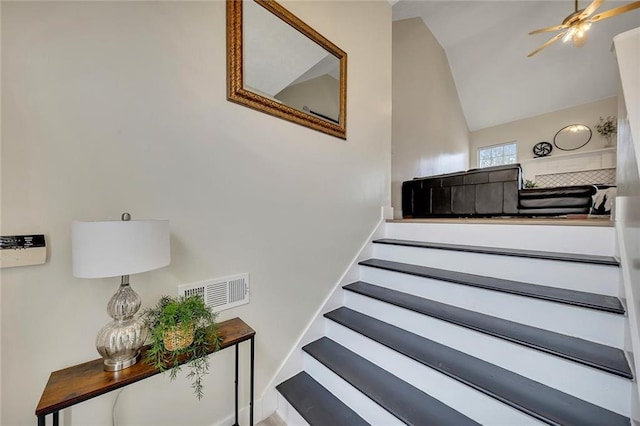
x,y
567,239
289,414
592,385
460,397
589,324
601,279
352,397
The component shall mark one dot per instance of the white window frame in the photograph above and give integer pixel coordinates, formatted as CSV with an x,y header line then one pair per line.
x,y
491,147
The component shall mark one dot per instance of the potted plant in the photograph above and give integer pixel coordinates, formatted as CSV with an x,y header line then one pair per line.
x,y
182,332
607,128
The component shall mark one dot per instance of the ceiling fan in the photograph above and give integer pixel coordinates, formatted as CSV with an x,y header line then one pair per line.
x,y
578,23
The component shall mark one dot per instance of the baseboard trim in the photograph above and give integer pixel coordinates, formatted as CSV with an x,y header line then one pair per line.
x,y
632,318
292,364
243,415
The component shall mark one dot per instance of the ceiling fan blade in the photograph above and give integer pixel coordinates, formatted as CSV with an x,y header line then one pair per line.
x,y
595,4
546,30
615,11
552,40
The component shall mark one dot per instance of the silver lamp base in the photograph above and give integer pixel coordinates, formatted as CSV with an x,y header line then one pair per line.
x,y
110,365
120,341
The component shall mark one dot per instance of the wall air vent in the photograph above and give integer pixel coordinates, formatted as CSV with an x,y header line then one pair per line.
x,y
220,293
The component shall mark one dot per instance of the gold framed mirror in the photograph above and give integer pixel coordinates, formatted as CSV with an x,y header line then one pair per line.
x,y
279,65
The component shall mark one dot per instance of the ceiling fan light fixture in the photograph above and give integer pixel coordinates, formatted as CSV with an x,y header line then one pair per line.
x,y
569,34
579,36
578,23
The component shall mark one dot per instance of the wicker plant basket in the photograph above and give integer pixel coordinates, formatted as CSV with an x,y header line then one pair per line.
x,y
179,337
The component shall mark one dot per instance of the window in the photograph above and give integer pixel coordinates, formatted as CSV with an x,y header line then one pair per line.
x,y
497,155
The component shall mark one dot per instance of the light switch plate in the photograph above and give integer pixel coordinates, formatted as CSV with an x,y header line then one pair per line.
x,y
22,250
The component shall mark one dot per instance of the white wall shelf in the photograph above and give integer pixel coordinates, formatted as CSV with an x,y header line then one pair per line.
x,y
604,158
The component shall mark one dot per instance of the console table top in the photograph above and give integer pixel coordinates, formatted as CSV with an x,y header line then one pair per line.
x,y
81,382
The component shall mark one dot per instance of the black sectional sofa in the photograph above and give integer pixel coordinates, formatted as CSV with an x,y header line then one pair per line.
x,y
490,191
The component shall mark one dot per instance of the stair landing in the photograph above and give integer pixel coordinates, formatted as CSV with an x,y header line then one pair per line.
x,y
559,221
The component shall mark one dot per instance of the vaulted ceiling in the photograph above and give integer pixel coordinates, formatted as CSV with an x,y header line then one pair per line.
x,y
487,44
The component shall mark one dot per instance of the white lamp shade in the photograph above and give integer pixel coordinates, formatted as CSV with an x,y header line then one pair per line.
x,y
112,248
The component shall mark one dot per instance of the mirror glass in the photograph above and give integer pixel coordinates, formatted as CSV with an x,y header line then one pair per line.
x,y
572,137
281,66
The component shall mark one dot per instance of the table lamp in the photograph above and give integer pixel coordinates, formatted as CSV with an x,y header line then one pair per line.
x,y
120,248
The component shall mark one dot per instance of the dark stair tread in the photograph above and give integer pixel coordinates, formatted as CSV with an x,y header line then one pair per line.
x,y
602,357
572,297
535,399
406,402
316,404
537,254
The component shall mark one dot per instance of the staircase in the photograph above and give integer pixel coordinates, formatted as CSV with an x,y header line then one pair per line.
x,y
456,324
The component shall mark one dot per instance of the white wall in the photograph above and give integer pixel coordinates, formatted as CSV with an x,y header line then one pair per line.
x,y
430,133
530,131
114,106
627,47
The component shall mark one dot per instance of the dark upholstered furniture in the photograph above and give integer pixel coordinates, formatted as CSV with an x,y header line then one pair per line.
x,y
490,191
555,201
486,192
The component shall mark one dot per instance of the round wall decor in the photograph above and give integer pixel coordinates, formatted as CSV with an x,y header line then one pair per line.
x,y
542,149
572,137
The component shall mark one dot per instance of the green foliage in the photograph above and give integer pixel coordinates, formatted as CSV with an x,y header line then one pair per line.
x,y
608,126
183,313
530,184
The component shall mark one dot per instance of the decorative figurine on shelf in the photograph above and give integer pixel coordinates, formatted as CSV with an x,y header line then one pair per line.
x,y
608,128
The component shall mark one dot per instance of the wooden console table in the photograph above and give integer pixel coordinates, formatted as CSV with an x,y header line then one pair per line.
x,y
82,382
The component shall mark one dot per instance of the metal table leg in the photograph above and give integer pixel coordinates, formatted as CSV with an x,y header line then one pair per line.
x,y
236,385
251,389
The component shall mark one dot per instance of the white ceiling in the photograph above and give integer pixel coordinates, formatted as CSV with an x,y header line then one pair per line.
x,y
487,44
